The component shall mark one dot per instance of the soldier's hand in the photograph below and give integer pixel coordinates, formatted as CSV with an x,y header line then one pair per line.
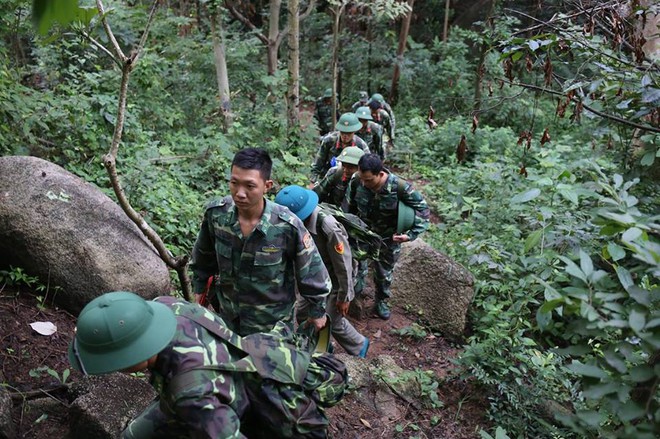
x,y
318,323
342,308
401,238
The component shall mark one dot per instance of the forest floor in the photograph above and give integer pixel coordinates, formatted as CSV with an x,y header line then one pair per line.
x,y
33,368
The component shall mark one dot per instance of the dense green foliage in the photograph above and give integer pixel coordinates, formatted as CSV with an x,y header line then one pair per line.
x,y
562,235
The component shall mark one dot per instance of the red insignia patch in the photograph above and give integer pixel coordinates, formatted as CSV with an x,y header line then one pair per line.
x,y
307,240
339,248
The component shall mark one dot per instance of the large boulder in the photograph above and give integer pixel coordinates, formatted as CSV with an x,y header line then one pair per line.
x,y
70,234
432,282
7,430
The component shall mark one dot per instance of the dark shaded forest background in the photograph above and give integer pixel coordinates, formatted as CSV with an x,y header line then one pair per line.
x,y
542,164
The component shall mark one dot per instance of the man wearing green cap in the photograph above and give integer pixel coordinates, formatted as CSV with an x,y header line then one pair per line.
x,y
331,239
362,102
334,143
323,112
371,132
385,106
260,254
382,118
211,382
392,208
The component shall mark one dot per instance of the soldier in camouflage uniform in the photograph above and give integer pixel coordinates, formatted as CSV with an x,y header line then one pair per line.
x,y
381,117
332,190
331,239
385,106
323,112
207,377
364,100
334,143
259,252
375,195
371,132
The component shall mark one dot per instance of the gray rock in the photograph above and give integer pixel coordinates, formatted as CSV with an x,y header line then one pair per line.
x,y
430,281
107,404
359,374
70,234
7,430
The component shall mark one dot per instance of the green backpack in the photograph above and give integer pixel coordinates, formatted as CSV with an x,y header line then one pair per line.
x,y
364,243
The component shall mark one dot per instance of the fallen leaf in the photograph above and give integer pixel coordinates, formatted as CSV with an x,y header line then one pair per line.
x,y
378,334
44,328
365,422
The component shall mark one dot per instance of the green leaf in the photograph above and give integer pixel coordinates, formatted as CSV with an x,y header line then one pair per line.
x,y
526,196
624,277
533,239
614,359
615,251
573,269
550,305
597,391
516,56
586,264
587,370
647,159
630,410
500,433
637,320
641,373
543,319
592,418
569,195
631,234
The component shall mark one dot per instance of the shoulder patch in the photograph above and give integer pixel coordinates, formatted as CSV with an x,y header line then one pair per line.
x,y
307,240
339,248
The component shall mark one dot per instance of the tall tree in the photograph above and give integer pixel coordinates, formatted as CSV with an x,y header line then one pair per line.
x,y
274,37
403,38
221,67
293,95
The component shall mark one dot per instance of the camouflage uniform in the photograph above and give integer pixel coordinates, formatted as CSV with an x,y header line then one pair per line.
x,y
332,190
330,149
208,376
258,275
390,113
383,119
372,134
323,115
332,241
380,212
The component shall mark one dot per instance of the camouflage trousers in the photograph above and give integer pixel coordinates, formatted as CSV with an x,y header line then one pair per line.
x,y
384,267
360,272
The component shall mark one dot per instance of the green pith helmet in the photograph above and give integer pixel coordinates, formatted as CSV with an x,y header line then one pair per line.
x,y
378,97
405,218
118,330
348,123
299,200
364,113
351,155
327,93
364,97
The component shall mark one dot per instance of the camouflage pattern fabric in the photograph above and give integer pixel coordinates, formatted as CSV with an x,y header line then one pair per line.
x,y
330,148
372,134
332,188
390,113
323,115
258,275
332,241
208,378
383,119
380,212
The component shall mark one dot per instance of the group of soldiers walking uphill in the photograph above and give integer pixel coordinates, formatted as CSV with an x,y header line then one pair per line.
x,y
232,364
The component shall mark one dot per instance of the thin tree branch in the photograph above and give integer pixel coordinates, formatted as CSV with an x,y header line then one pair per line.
x,y
240,17
102,48
108,31
591,109
143,39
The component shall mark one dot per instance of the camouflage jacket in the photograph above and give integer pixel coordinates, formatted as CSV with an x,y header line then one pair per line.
x,y
323,116
380,210
387,107
332,188
211,402
383,119
207,375
258,276
358,104
329,149
373,135
331,239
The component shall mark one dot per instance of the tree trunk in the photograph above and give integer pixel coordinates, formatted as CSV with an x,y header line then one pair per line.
x,y
478,81
273,33
403,38
221,69
445,27
293,96
336,24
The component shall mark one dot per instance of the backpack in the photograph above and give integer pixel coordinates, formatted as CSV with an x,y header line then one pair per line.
x,y
364,243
